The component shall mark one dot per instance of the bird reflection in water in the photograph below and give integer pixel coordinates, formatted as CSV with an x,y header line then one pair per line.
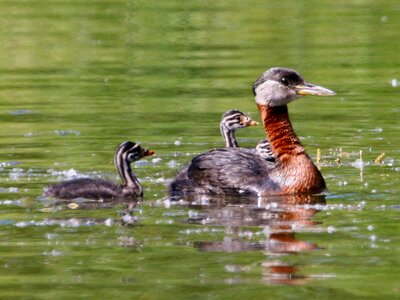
x,y
279,217
127,212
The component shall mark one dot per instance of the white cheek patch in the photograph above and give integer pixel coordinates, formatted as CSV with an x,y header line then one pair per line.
x,y
272,93
263,92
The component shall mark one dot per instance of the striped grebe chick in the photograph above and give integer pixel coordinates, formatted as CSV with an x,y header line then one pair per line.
x,y
231,121
234,119
263,149
238,170
97,189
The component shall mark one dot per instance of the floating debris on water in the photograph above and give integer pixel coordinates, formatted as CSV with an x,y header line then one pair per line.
x,y
380,158
318,156
73,205
343,154
127,241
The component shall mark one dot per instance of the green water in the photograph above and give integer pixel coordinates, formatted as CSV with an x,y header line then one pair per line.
x,y
77,78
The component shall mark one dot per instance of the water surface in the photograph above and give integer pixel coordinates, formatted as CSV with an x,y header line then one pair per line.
x,y
76,79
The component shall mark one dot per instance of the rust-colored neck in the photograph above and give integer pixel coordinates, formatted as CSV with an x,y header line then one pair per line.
x,y
279,131
294,171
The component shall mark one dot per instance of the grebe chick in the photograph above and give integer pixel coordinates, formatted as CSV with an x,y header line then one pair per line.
x,y
97,189
263,149
235,119
238,170
230,121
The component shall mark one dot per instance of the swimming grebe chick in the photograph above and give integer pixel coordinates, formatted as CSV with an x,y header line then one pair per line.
x,y
231,121
97,189
238,170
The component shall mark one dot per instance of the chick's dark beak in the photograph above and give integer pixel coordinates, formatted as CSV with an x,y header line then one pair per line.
x,y
312,89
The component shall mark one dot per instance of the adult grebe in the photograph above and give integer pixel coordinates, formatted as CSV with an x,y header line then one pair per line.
x,y
231,120
97,189
243,171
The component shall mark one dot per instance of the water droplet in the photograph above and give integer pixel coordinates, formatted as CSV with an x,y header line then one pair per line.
x,y
52,253
109,222
359,164
331,229
156,160
172,164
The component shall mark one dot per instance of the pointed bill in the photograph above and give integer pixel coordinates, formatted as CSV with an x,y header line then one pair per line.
x,y
313,89
246,121
148,152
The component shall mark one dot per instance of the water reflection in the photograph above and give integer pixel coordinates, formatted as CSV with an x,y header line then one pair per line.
x,y
127,214
279,217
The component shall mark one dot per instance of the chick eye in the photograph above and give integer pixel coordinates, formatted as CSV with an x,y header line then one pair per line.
x,y
285,81
132,156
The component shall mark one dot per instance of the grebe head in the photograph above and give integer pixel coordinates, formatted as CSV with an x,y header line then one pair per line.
x,y
132,151
279,86
235,119
263,149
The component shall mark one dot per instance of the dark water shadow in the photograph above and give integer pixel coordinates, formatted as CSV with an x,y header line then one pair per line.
x,y
280,217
